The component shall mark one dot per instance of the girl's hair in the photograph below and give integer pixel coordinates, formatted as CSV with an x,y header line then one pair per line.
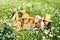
x,y
22,22
48,26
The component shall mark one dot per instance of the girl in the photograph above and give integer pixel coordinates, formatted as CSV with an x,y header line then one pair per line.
x,y
47,23
37,23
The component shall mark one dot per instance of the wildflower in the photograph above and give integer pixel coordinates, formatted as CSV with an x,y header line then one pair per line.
x,y
58,36
59,22
43,37
52,28
50,35
17,36
37,32
59,14
0,34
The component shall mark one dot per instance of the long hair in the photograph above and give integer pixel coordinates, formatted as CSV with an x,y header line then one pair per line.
x,y
48,26
22,22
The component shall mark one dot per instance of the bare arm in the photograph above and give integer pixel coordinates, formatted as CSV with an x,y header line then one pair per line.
x,y
15,17
42,26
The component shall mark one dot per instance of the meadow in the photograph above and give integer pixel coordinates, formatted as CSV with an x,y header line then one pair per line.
x,y
33,8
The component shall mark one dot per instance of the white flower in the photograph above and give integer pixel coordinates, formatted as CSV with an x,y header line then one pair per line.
x,y
17,36
35,39
46,32
52,28
0,34
54,34
58,36
29,4
43,37
37,32
50,35
59,14
59,22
